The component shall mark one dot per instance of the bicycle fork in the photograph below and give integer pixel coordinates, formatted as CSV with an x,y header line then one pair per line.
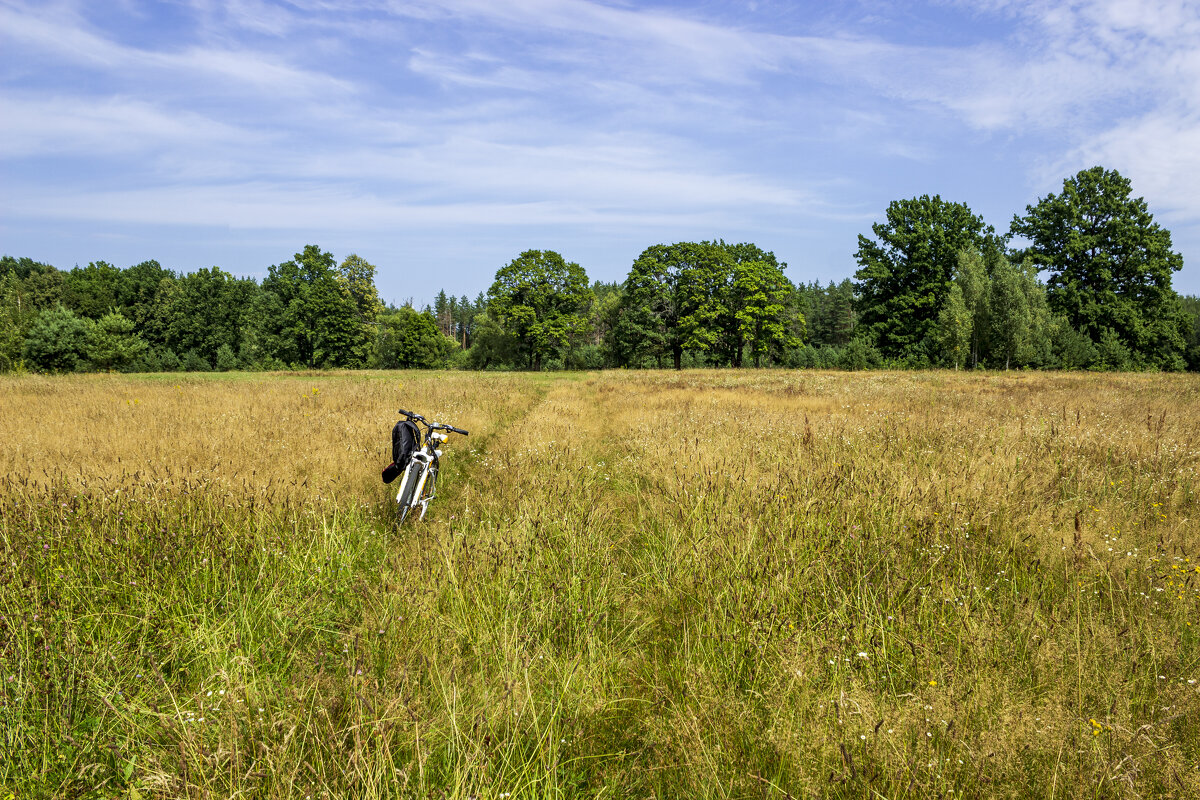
x,y
423,501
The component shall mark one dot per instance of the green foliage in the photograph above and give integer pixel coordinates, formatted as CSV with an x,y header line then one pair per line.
x,y
604,316
12,320
113,343
456,318
954,330
636,334
409,339
758,310
261,345
672,302
92,291
356,276
542,302
588,357
204,311
1191,307
320,323
227,360
1111,352
859,354
1072,349
22,268
1110,267
194,362
45,288
973,278
905,276
493,347
1010,318
828,312
934,286
157,316
137,288
160,359
55,341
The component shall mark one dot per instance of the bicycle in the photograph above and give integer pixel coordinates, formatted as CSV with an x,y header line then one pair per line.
x,y
418,484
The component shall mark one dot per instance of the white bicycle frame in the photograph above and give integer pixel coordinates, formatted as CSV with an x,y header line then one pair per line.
x,y
422,460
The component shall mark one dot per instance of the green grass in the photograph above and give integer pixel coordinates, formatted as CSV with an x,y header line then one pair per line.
x,y
718,584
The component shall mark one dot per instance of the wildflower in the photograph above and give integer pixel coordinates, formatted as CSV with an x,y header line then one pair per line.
x,y
933,683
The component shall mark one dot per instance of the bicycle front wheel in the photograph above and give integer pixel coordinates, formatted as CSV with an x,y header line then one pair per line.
x,y
428,491
405,497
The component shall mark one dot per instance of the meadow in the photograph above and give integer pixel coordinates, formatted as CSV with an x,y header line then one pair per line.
x,y
757,584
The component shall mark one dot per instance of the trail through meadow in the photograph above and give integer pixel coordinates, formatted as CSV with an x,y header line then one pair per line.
x,y
711,584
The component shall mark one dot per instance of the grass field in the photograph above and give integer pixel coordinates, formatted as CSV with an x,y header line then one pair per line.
x,y
702,584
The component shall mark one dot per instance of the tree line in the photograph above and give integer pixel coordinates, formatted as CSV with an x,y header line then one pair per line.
x,y
935,286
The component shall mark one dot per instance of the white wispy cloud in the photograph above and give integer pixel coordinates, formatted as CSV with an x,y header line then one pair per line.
x,y
94,127
69,38
1160,150
418,114
306,208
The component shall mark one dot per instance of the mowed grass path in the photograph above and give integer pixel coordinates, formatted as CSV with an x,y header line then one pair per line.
x,y
699,584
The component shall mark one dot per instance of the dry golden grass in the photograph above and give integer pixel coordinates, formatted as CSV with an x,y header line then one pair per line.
x,y
303,437
633,584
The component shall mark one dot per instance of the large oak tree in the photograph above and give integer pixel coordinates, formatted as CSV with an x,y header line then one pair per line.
x,y
905,273
542,302
1110,266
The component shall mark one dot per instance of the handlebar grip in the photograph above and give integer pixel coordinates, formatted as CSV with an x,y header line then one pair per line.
x,y
459,430
406,413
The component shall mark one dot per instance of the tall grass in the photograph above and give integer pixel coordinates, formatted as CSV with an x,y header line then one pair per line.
x,y
719,584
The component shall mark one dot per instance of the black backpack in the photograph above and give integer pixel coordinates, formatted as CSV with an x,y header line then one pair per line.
x,y
406,438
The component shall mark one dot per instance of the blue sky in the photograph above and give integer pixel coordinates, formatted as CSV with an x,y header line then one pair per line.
x,y
440,139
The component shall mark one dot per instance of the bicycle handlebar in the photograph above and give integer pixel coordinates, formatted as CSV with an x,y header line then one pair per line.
x,y
433,425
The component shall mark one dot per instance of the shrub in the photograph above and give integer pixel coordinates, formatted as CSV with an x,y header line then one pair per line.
x,y
56,341
226,360
194,362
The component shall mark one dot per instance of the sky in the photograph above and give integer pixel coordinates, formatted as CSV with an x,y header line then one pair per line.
x,y
439,140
